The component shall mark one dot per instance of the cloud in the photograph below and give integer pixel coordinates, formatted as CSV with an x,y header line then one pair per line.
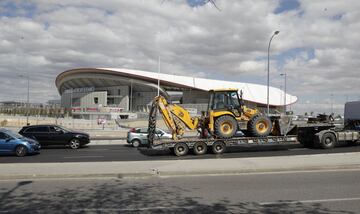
x,y
317,45
252,66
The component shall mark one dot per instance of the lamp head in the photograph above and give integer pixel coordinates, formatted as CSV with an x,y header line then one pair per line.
x,y
276,32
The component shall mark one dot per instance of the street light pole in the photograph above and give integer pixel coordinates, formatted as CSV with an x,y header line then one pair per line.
x,y
284,74
268,72
158,82
332,103
28,87
28,98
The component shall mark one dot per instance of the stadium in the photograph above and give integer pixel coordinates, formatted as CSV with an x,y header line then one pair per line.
x,y
108,92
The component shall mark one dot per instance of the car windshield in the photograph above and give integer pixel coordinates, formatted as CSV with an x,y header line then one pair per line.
x,y
13,134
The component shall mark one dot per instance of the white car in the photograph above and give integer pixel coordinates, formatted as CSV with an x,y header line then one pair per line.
x,y
138,136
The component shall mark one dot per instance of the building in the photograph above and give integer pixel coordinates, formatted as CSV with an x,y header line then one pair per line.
x,y
98,92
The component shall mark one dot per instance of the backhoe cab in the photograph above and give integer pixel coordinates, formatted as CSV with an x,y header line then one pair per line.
x,y
227,114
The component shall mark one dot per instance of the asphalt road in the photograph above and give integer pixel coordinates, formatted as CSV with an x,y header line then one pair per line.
x,y
94,153
296,192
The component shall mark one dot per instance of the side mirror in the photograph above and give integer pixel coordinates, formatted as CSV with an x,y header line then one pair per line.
x,y
8,139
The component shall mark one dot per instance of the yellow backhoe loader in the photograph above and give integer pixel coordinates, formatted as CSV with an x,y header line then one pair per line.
x,y
225,116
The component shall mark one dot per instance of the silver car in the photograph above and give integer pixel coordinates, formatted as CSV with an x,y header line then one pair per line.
x,y
138,136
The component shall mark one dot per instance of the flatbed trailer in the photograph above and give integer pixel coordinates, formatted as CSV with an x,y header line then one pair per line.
x,y
317,135
201,146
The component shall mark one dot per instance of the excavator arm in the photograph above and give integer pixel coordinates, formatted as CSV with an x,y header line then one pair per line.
x,y
174,117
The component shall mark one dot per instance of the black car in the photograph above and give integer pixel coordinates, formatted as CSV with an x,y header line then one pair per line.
x,y
48,135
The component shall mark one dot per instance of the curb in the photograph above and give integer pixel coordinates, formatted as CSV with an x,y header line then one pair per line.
x,y
156,173
107,142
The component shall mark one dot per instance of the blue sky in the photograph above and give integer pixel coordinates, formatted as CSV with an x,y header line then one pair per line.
x,y
13,9
287,5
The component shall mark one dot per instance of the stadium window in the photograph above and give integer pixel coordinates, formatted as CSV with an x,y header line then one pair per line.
x,y
96,100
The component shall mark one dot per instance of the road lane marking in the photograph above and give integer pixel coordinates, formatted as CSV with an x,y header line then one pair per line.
x,y
299,149
70,157
193,207
132,209
311,201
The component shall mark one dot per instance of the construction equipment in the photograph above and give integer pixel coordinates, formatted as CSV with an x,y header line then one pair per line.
x,y
226,115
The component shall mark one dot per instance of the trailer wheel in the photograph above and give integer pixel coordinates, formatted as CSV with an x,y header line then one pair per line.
x,y
328,141
218,147
181,149
200,148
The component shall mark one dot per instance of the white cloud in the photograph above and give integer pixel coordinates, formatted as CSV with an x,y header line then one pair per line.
x,y
252,66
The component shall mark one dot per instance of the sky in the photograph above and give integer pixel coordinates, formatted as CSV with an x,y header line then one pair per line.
x,y
317,46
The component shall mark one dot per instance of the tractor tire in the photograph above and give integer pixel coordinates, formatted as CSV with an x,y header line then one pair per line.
x,y
225,126
259,126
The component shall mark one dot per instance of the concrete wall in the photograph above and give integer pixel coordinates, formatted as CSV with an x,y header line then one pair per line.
x,y
113,96
194,97
89,99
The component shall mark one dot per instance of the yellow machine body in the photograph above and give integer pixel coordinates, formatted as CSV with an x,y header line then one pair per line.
x,y
226,114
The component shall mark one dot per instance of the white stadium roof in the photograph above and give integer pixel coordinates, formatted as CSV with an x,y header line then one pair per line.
x,y
251,92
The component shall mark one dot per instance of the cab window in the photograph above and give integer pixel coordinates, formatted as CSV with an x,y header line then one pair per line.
x,y
224,100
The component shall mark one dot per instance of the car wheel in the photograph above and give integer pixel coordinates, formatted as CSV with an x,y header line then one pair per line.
x,y
20,151
135,143
74,143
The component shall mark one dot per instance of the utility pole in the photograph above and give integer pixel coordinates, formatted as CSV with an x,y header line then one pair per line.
x,y
28,98
332,103
131,95
284,74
